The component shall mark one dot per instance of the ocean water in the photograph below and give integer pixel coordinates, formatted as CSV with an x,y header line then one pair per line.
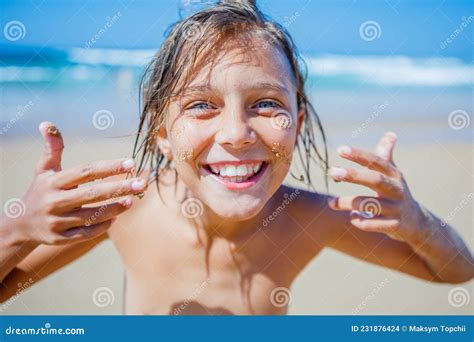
x,y
95,92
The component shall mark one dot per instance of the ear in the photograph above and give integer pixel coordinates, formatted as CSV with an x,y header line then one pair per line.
x,y
300,119
164,143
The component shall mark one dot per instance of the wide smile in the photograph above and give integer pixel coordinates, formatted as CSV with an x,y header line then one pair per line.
x,y
236,175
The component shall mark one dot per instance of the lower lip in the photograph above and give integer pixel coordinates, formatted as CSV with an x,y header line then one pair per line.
x,y
242,185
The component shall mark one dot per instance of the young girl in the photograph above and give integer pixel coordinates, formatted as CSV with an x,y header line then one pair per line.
x,y
224,109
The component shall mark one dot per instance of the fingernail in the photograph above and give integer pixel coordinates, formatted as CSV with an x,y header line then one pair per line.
x,y
344,150
392,135
338,172
128,164
139,184
126,202
332,202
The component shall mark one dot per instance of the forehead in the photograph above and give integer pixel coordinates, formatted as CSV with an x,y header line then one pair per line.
x,y
242,63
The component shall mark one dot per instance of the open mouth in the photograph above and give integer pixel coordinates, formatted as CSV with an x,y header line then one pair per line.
x,y
237,175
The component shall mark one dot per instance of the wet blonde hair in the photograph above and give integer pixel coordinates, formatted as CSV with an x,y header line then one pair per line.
x,y
170,71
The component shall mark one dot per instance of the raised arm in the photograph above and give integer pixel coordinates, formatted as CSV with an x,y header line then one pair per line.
x,y
392,229
57,210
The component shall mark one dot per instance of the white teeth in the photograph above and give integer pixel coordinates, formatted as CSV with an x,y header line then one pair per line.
x,y
237,173
241,170
231,171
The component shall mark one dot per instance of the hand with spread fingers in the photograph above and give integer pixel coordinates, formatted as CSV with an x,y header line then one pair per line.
x,y
58,209
393,210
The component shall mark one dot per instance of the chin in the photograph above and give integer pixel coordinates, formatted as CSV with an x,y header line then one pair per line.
x,y
242,208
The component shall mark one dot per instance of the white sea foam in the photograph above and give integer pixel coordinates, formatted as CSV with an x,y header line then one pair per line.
x,y
394,70
112,57
339,70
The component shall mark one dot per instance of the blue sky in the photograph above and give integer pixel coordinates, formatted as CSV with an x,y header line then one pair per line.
x,y
407,27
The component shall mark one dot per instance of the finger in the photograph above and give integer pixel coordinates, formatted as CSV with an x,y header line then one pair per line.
x,y
374,206
377,181
101,191
386,145
380,224
53,148
85,233
85,173
368,159
93,215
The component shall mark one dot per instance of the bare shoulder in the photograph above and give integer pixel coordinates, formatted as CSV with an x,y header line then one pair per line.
x,y
311,213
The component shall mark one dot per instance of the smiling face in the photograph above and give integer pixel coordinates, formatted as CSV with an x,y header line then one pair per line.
x,y
233,130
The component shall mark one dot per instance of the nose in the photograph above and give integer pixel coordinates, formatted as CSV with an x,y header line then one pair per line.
x,y
235,130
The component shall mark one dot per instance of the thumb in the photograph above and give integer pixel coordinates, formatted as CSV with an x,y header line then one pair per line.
x,y
53,148
386,145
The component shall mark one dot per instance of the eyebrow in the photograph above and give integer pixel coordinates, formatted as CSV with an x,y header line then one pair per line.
x,y
259,85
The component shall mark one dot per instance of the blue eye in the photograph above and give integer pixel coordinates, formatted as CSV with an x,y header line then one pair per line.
x,y
201,106
267,104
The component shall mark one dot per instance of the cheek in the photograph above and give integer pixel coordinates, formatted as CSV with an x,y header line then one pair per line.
x,y
280,138
186,140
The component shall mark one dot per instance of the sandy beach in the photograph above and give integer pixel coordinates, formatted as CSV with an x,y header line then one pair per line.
x,y
439,174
